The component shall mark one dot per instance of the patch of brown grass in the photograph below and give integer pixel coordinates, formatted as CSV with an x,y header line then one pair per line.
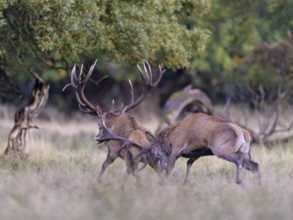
x,y
57,181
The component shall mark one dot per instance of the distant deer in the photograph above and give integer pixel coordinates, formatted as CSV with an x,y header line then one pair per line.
x,y
202,135
121,124
18,135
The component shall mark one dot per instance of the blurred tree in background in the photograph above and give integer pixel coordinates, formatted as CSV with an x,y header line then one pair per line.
x,y
239,61
50,36
239,28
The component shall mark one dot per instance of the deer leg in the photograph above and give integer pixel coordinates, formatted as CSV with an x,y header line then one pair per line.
x,y
252,166
136,176
109,160
129,166
188,165
132,168
239,163
238,180
237,159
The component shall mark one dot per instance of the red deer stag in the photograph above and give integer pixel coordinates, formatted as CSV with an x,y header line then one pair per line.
x,y
202,135
121,124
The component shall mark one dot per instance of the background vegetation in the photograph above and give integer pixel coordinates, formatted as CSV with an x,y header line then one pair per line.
x,y
240,51
50,36
57,181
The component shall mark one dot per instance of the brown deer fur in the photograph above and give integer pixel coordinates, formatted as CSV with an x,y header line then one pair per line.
x,y
128,127
202,135
116,123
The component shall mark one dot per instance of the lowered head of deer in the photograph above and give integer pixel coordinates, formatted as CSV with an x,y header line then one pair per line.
x,y
202,135
116,123
160,149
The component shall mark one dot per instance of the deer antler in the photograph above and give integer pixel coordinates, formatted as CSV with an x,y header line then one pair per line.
x,y
148,84
78,82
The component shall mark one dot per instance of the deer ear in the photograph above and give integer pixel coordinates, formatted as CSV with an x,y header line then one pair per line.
x,y
150,137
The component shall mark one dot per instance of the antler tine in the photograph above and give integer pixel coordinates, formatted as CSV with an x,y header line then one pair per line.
x,y
146,76
82,106
113,103
82,100
90,72
78,82
148,71
160,76
79,100
72,79
80,74
66,86
131,92
85,109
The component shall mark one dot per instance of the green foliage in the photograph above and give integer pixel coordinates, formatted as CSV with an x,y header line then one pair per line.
x,y
237,26
271,66
47,34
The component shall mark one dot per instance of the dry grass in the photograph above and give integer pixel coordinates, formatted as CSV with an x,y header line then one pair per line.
x,y
57,181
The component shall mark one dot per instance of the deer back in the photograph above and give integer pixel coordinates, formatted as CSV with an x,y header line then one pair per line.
x,y
201,131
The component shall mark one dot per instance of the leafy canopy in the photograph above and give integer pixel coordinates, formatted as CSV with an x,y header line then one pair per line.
x,y
54,34
237,27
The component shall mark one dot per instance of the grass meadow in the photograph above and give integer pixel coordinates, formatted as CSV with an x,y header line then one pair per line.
x,y
57,180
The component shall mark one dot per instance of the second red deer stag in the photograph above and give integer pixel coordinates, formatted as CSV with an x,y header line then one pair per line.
x,y
121,124
203,135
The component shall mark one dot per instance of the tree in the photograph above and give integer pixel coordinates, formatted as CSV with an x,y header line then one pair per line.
x,y
237,26
52,35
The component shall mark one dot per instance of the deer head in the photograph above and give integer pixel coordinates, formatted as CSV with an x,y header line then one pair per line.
x,y
160,150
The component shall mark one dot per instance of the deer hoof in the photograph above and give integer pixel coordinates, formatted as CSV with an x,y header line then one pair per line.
x,y
239,182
